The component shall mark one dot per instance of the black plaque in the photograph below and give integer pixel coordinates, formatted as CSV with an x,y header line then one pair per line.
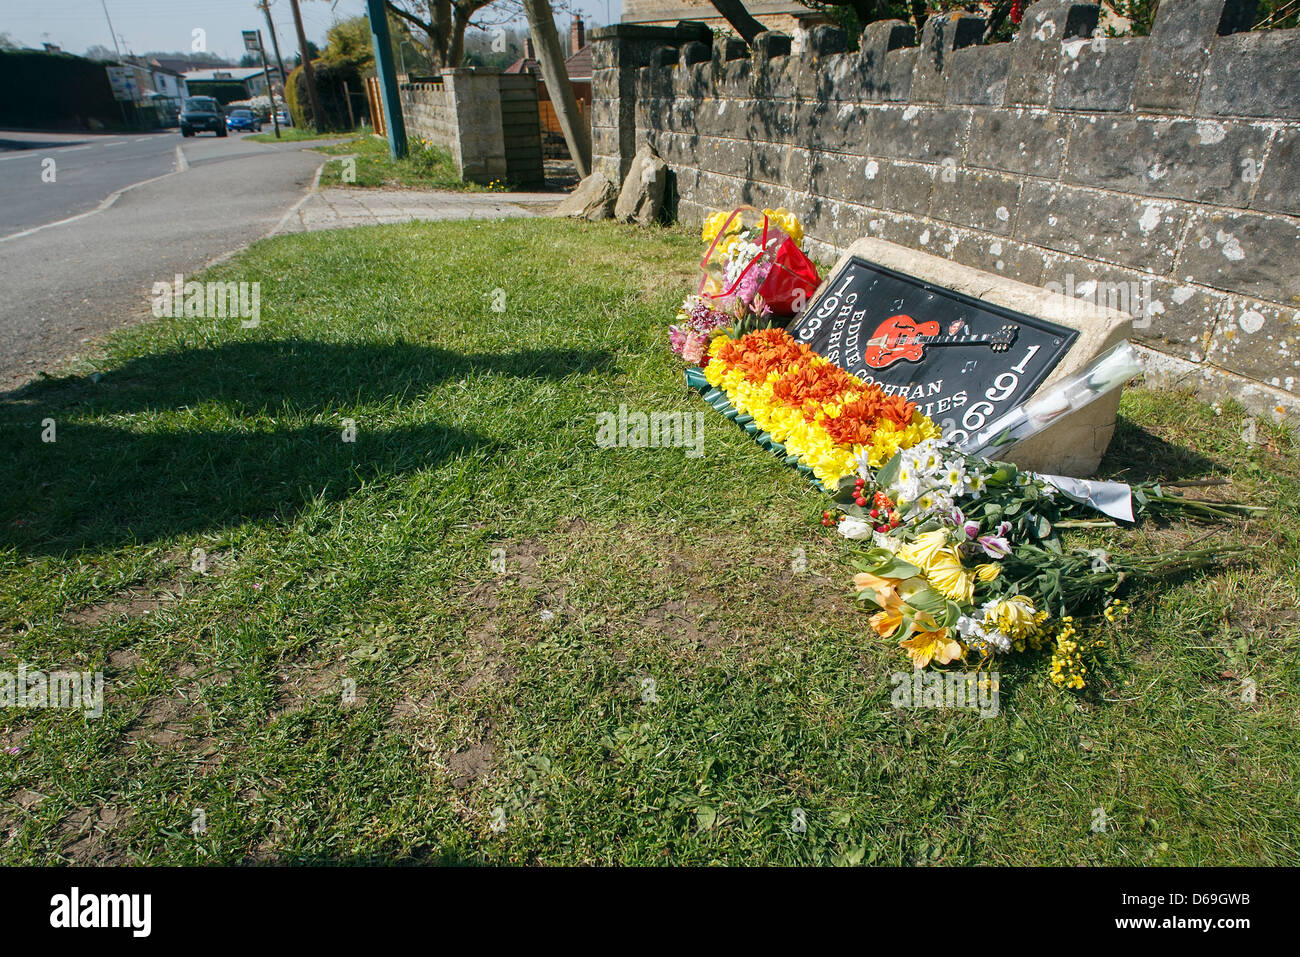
x,y
963,362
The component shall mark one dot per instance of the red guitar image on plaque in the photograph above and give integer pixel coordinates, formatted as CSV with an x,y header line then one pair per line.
x,y
901,338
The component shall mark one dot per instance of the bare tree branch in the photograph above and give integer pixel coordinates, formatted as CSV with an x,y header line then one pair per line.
x,y
740,19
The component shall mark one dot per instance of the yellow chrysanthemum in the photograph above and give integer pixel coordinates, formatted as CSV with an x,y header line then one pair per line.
x,y
1015,617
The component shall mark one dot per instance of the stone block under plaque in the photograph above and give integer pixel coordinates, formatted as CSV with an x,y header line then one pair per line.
x,y
966,346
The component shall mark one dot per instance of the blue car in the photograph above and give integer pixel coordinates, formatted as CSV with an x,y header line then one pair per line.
x,y
243,120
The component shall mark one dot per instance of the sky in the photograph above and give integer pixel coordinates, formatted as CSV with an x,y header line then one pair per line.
x,y
168,25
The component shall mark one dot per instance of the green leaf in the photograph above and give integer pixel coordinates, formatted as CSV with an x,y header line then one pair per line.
x,y
887,473
921,596
705,817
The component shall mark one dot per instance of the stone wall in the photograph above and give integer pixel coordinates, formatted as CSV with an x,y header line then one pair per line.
x,y
488,120
1160,175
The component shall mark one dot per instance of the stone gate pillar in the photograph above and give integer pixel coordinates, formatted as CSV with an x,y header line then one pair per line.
x,y
618,51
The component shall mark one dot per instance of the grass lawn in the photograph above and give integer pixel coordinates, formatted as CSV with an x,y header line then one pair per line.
x,y
293,134
424,167
648,678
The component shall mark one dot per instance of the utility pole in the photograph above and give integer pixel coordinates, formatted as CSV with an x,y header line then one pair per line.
x,y
317,121
275,41
541,22
120,105
379,41
252,37
111,33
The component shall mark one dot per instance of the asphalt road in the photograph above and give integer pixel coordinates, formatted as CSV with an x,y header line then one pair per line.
x,y
85,169
79,256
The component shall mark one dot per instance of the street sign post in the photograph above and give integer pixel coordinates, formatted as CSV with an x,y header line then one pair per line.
x,y
253,43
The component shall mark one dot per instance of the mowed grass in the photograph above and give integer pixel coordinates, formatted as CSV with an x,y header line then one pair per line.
x,y
292,134
365,162
474,636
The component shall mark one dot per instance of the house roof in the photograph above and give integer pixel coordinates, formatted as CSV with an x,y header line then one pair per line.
x,y
578,66
236,73
179,65
159,67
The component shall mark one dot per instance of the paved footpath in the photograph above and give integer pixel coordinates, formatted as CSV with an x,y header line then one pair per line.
x,y
340,207
82,261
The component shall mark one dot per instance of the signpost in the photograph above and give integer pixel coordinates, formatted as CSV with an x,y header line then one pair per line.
x,y
966,347
122,81
253,44
379,42
962,361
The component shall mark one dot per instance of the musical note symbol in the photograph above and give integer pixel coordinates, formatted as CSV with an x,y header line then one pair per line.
x,y
970,364
898,304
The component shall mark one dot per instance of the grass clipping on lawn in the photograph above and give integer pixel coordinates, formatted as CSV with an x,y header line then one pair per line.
x,y
473,635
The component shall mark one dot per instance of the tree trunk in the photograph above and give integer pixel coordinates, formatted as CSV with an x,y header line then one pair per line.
x,y
440,36
919,16
550,55
458,42
438,30
739,18
997,15
308,74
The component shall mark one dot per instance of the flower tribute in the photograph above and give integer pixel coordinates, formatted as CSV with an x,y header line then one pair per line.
x,y
959,557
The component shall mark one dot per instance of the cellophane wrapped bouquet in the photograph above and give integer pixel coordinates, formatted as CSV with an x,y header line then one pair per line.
x,y
753,272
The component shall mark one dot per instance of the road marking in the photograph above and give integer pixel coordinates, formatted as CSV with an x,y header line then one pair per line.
x,y
118,143
69,149
109,200
142,139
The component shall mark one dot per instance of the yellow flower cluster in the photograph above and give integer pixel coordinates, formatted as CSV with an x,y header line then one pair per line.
x,y
1116,610
1016,618
1068,668
940,561
781,218
806,439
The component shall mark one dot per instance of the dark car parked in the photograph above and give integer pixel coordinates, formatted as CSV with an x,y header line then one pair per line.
x,y
243,120
202,113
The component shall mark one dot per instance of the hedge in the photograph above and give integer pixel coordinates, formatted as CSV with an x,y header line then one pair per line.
x,y
55,91
330,77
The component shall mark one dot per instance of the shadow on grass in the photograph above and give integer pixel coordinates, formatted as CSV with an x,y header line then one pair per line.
x,y
102,483
1136,455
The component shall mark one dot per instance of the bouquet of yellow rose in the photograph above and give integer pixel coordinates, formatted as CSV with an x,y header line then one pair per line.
x,y
754,270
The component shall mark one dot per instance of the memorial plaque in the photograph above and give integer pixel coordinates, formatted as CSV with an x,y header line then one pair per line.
x,y
962,360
